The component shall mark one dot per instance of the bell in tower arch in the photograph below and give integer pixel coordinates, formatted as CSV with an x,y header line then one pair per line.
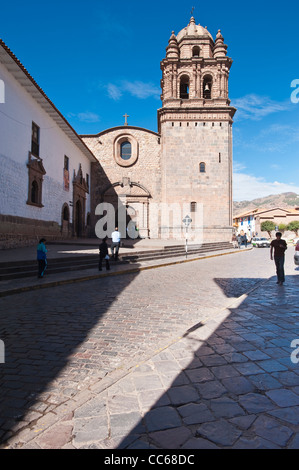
x,y
207,88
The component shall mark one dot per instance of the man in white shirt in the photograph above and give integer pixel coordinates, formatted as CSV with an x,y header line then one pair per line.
x,y
116,236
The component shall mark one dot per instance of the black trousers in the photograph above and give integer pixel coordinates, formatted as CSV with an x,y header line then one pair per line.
x,y
42,264
101,262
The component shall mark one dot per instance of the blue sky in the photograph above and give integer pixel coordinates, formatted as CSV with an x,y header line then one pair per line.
x,y
97,60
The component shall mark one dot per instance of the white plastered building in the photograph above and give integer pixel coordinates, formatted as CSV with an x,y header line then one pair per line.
x,y
45,166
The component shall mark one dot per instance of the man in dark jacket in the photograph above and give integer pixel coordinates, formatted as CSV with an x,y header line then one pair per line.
x,y
279,246
103,252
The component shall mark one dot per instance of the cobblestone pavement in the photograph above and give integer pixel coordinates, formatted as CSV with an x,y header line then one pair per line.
x,y
196,355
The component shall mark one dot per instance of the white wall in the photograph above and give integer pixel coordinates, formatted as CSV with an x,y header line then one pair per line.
x,y
16,115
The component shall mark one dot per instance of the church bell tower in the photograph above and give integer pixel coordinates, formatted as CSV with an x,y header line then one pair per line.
x,y
195,123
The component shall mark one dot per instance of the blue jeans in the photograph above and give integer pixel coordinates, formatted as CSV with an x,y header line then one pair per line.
x,y
115,245
279,262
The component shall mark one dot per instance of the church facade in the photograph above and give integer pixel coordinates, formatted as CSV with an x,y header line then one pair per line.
x,y
153,184
183,172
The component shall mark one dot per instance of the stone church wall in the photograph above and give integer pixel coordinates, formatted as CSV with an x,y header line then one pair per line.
x,y
145,171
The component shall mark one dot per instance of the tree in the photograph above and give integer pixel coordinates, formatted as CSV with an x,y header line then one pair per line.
x,y
267,226
294,226
282,227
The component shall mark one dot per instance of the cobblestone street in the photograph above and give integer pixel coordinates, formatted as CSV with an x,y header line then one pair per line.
x,y
173,357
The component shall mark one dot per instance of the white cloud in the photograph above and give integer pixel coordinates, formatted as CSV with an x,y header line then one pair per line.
x,y
114,92
256,107
247,187
87,116
142,90
138,89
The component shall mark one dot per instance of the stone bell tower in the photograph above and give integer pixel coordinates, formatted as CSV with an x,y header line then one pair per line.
x,y
195,123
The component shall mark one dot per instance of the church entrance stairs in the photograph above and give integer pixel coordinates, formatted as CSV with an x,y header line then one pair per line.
x,y
24,268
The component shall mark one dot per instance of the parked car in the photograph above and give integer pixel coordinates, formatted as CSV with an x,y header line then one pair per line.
x,y
296,255
259,242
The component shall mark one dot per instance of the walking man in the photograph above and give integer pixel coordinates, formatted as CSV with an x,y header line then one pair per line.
x,y
279,246
116,236
103,252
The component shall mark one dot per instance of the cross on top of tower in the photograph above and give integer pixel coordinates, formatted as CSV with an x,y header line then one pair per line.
x,y
126,118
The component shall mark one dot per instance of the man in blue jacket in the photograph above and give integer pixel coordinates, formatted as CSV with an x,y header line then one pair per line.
x,y
41,257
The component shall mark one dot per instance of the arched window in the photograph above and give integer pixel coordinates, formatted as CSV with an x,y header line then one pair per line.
x,y
207,87
184,87
195,51
34,192
125,150
202,167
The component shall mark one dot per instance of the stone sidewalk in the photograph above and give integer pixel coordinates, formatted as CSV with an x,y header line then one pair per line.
x,y
229,381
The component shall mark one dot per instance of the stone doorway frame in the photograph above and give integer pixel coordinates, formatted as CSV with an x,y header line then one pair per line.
x,y
130,194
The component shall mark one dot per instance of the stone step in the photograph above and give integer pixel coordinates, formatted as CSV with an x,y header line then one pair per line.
x,y
28,268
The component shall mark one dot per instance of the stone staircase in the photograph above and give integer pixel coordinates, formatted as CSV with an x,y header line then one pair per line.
x,y
28,268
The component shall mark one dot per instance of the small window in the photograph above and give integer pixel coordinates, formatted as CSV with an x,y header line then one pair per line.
x,y
126,150
87,180
34,193
202,167
195,51
193,206
36,171
35,140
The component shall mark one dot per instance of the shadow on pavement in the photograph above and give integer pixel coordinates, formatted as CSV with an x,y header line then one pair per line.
x,y
235,386
42,332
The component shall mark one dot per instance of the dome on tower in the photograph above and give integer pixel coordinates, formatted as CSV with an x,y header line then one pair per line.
x,y
193,30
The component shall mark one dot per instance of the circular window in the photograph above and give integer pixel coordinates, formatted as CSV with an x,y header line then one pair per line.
x,y
125,150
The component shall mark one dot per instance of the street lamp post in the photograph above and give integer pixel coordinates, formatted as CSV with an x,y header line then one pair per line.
x,y
187,221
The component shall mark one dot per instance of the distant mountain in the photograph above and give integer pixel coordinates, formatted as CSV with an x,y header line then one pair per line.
x,y
285,201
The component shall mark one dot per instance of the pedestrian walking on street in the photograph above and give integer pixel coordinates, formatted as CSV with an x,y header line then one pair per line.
x,y
239,240
103,253
116,236
42,257
279,246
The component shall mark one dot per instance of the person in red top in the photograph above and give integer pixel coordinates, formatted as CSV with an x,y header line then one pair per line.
x,y
279,246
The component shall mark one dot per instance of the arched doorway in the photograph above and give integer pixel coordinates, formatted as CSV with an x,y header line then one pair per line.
x,y
65,219
131,207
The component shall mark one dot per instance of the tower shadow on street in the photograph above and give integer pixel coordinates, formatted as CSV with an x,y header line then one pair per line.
x,y
43,334
229,382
